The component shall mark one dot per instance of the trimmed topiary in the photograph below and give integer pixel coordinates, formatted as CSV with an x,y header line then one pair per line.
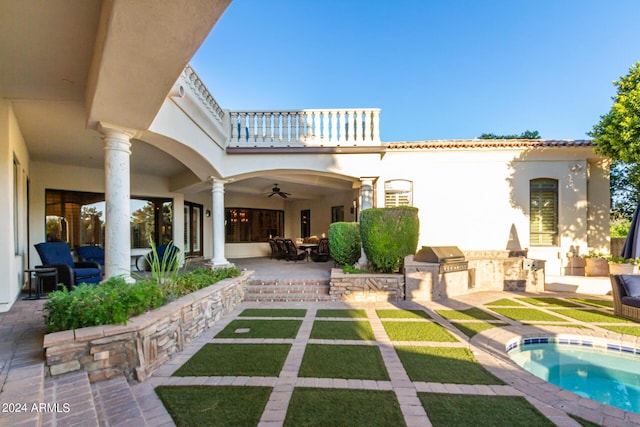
x,y
344,242
388,235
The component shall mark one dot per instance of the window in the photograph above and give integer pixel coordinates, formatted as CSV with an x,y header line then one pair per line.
x,y
78,218
543,220
192,229
337,213
398,192
244,225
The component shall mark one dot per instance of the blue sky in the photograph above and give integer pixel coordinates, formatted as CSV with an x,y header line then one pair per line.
x,y
438,69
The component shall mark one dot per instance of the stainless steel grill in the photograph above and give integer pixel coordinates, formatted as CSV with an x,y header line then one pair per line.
x,y
450,258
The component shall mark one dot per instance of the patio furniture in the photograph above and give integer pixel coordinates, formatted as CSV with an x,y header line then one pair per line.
x,y
294,253
91,253
58,255
321,253
164,253
276,251
282,248
626,295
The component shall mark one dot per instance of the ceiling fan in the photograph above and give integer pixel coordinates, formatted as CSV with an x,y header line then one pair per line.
x,y
276,190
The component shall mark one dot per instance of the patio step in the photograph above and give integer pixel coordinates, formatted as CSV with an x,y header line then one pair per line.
x,y
72,392
280,290
116,404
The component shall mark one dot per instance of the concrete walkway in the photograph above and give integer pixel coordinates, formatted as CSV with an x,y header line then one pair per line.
x,y
71,400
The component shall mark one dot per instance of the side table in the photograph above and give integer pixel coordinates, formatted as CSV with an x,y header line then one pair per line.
x,y
39,274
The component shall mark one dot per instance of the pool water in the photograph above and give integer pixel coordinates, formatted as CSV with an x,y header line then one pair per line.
x,y
609,377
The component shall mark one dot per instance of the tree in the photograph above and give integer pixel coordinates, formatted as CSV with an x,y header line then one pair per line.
x,y
624,181
617,135
527,134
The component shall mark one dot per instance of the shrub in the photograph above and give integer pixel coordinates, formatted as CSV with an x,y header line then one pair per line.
x,y
388,235
344,242
114,301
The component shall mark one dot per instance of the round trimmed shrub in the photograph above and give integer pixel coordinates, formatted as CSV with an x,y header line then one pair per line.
x,y
344,242
388,235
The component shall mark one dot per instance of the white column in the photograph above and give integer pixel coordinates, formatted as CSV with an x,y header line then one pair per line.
x,y
366,202
117,192
217,194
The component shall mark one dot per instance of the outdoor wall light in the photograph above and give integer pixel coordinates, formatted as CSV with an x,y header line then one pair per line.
x,y
207,213
576,167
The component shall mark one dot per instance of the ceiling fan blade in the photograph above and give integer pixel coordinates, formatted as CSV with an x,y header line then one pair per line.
x,y
271,194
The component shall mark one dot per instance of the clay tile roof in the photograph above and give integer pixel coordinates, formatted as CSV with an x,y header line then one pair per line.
x,y
489,143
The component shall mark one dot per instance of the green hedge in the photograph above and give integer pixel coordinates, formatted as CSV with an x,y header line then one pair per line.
x,y
115,301
344,242
388,235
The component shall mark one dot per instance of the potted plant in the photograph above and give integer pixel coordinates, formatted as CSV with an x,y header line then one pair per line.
x,y
596,264
620,265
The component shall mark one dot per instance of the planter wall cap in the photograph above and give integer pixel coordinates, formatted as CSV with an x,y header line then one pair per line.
x,y
57,338
89,333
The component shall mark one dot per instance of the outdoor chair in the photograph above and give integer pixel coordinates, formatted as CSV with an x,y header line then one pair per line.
x,y
626,295
282,249
164,253
294,253
91,253
276,252
58,255
321,253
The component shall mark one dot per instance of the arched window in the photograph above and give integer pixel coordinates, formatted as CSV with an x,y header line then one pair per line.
x,y
398,192
543,208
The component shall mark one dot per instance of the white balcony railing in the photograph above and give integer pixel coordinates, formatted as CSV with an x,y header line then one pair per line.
x,y
305,128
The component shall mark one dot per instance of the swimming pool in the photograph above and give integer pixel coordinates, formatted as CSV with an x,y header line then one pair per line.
x,y
607,373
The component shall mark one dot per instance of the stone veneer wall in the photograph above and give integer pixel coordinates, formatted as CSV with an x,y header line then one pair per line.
x,y
146,342
366,287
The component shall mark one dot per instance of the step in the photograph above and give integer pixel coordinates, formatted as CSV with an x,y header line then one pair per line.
x,y
22,388
300,297
72,393
116,404
301,290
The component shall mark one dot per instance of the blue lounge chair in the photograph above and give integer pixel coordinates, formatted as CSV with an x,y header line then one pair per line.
x,y
58,256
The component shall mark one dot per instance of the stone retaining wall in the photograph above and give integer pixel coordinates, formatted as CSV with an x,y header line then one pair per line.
x,y
146,342
366,287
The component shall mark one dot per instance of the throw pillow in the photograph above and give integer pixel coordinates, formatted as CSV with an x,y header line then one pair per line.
x,y
631,284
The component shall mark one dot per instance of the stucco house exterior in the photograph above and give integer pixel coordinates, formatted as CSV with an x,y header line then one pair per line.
x,y
108,137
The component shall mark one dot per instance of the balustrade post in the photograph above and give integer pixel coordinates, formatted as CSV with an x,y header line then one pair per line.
x,y
309,119
342,129
300,118
260,127
233,118
334,120
375,137
367,126
276,127
325,126
358,125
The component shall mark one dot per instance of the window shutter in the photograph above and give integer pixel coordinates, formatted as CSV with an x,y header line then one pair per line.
x,y
544,212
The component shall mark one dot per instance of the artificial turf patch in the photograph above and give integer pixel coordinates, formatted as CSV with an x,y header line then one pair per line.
x,y
350,313
343,361
626,330
476,410
444,365
527,314
264,360
402,314
469,314
472,328
592,316
273,312
342,407
261,329
417,331
583,422
504,302
594,302
548,302
342,330
214,406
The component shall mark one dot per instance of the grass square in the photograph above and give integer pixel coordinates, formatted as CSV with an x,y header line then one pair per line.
x,y
264,360
527,314
592,316
342,330
402,314
473,410
548,302
417,331
350,313
342,407
261,329
273,312
594,302
504,302
220,406
451,365
472,328
626,330
343,361
469,314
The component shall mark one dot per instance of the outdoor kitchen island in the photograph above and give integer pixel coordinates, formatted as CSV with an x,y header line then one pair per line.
x,y
436,272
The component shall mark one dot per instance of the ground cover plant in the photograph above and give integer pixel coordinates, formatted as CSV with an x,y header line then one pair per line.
x,y
402,314
342,330
115,301
417,331
504,302
468,314
527,314
452,365
473,410
343,361
341,407
260,329
470,329
226,406
273,312
592,316
548,302
264,360
351,313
